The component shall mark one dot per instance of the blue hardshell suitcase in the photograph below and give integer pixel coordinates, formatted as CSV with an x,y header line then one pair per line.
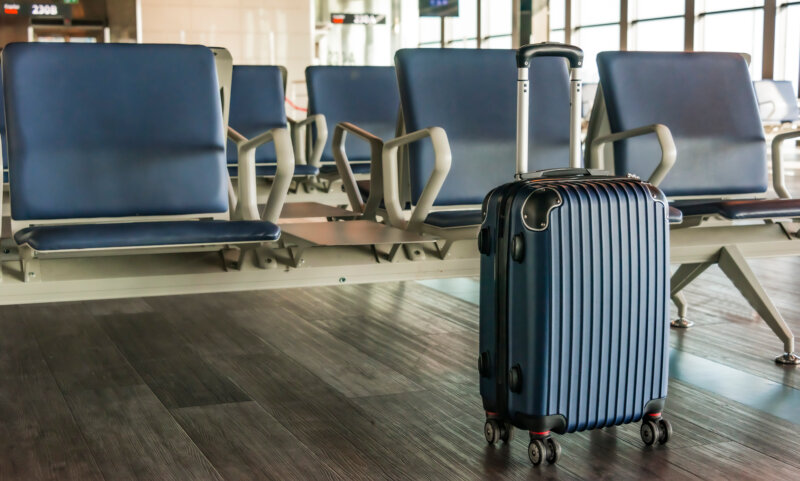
x,y
573,297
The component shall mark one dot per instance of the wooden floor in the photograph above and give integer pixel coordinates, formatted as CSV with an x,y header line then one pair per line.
x,y
354,382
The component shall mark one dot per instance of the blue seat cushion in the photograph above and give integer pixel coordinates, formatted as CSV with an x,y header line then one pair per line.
x,y
744,209
454,218
140,234
269,170
357,167
674,216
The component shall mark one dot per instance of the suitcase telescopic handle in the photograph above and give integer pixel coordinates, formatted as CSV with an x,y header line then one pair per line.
x,y
574,56
549,49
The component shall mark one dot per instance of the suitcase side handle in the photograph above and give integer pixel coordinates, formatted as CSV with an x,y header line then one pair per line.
x,y
566,172
549,49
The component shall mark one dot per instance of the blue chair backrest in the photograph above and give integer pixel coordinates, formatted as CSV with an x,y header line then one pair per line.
x,y
365,96
707,101
472,94
257,105
777,101
113,130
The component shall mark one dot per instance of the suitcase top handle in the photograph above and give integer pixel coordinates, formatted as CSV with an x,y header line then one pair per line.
x,y
549,49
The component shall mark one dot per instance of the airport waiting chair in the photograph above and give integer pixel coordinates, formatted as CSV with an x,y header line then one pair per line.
x,y
464,102
363,100
257,106
125,154
702,106
777,102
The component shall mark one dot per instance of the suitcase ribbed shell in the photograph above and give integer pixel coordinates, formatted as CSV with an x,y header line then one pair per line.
x,y
587,312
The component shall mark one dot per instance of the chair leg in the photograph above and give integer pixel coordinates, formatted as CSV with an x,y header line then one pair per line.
x,y
685,274
734,265
681,322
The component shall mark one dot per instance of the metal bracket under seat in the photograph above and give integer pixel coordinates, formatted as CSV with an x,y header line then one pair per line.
x,y
353,233
309,210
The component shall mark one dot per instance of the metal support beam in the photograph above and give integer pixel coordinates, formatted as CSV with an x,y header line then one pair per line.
x,y
624,24
734,265
522,22
688,26
768,57
479,31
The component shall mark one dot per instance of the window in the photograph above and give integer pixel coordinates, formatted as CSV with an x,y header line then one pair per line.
x,y
733,26
558,15
787,51
657,25
496,23
462,31
596,30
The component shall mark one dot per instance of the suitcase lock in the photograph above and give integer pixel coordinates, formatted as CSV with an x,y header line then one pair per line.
x,y
515,378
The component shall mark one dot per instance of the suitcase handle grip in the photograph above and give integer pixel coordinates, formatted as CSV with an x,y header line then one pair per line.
x,y
549,49
564,172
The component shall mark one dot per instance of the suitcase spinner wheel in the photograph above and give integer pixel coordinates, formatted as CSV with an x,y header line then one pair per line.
x,y
496,430
543,448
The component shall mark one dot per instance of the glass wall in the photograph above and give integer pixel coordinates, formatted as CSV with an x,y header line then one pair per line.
x,y
496,23
787,44
596,29
558,16
657,25
732,26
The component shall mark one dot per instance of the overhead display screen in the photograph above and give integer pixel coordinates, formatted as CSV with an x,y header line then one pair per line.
x,y
438,8
36,9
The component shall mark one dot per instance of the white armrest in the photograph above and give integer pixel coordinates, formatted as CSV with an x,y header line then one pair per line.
x,y
322,136
247,206
391,178
346,171
665,141
778,179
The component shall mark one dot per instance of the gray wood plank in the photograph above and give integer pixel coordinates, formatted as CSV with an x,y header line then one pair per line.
x,y
244,442
39,439
342,366
133,436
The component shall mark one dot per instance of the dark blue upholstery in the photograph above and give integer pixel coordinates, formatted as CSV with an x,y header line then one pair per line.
x,y
777,101
744,209
269,170
454,218
365,96
472,95
118,131
138,234
257,105
356,167
113,130
707,101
